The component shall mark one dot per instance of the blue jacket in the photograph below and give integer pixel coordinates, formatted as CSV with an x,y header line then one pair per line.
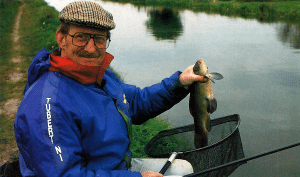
x,y
65,128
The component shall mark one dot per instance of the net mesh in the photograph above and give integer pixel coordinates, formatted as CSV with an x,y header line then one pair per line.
x,y
224,145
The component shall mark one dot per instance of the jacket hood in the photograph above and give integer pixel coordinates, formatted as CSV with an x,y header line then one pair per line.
x,y
38,66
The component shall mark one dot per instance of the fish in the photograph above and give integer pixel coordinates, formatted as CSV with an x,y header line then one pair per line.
x,y
202,103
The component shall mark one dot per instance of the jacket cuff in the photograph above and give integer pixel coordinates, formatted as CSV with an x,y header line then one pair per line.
x,y
177,86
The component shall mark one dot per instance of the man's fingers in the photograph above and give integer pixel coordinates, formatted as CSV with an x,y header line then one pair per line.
x,y
152,174
188,77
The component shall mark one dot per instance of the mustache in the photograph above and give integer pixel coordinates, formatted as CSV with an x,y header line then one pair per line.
x,y
84,54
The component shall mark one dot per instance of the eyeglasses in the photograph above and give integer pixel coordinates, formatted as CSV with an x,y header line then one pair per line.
x,y
82,39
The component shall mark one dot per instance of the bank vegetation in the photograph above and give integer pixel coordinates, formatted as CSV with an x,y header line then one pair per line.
x,y
263,10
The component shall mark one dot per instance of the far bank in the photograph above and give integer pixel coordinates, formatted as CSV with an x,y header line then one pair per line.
x,y
262,10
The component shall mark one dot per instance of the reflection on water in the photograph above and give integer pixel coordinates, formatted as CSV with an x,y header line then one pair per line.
x,y
289,79
289,34
164,24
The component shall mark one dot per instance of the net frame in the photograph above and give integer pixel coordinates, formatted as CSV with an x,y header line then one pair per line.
x,y
228,149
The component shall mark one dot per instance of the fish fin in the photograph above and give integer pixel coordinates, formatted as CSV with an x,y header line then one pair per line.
x,y
210,79
215,76
211,104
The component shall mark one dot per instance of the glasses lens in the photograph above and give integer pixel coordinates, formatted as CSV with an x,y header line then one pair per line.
x,y
81,39
100,41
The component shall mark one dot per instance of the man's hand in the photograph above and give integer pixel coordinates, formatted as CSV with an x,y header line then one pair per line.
x,y
188,77
152,174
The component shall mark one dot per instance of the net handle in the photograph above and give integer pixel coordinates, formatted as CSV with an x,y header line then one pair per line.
x,y
168,163
244,160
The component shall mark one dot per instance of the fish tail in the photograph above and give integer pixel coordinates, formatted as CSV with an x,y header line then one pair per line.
x,y
200,140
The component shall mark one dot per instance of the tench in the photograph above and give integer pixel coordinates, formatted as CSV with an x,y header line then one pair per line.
x,y
202,103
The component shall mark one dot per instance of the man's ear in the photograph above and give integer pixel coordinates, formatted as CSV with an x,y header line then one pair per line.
x,y
60,39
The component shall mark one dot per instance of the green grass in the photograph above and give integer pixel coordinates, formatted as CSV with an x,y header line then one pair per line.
x,y
8,11
141,134
38,28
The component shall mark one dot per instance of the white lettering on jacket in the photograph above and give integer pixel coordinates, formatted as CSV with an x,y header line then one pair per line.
x,y
50,128
58,152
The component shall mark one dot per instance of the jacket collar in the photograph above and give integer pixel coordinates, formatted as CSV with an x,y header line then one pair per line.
x,y
81,73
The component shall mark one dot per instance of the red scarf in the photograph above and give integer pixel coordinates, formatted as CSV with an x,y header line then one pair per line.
x,y
82,73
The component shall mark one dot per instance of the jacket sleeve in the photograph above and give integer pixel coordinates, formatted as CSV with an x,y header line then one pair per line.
x,y
49,139
153,100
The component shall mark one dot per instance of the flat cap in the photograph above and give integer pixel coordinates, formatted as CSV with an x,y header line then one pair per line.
x,y
87,13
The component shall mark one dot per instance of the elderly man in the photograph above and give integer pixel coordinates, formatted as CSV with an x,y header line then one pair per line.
x,y
76,115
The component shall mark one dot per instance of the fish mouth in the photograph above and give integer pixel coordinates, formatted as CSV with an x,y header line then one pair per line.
x,y
196,67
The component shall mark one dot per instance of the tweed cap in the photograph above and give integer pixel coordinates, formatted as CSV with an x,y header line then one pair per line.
x,y
87,13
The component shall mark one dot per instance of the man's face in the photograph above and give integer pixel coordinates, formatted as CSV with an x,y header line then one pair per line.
x,y
86,55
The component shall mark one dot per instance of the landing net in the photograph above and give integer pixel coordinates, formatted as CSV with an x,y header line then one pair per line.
x,y
224,145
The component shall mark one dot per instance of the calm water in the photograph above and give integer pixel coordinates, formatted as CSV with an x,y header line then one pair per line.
x,y
260,63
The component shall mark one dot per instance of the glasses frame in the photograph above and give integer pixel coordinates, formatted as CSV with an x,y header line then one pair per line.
x,y
91,37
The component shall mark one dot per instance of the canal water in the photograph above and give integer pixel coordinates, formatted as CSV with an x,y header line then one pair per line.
x,y
260,63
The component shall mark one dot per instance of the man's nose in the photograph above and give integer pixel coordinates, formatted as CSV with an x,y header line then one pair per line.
x,y
90,46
